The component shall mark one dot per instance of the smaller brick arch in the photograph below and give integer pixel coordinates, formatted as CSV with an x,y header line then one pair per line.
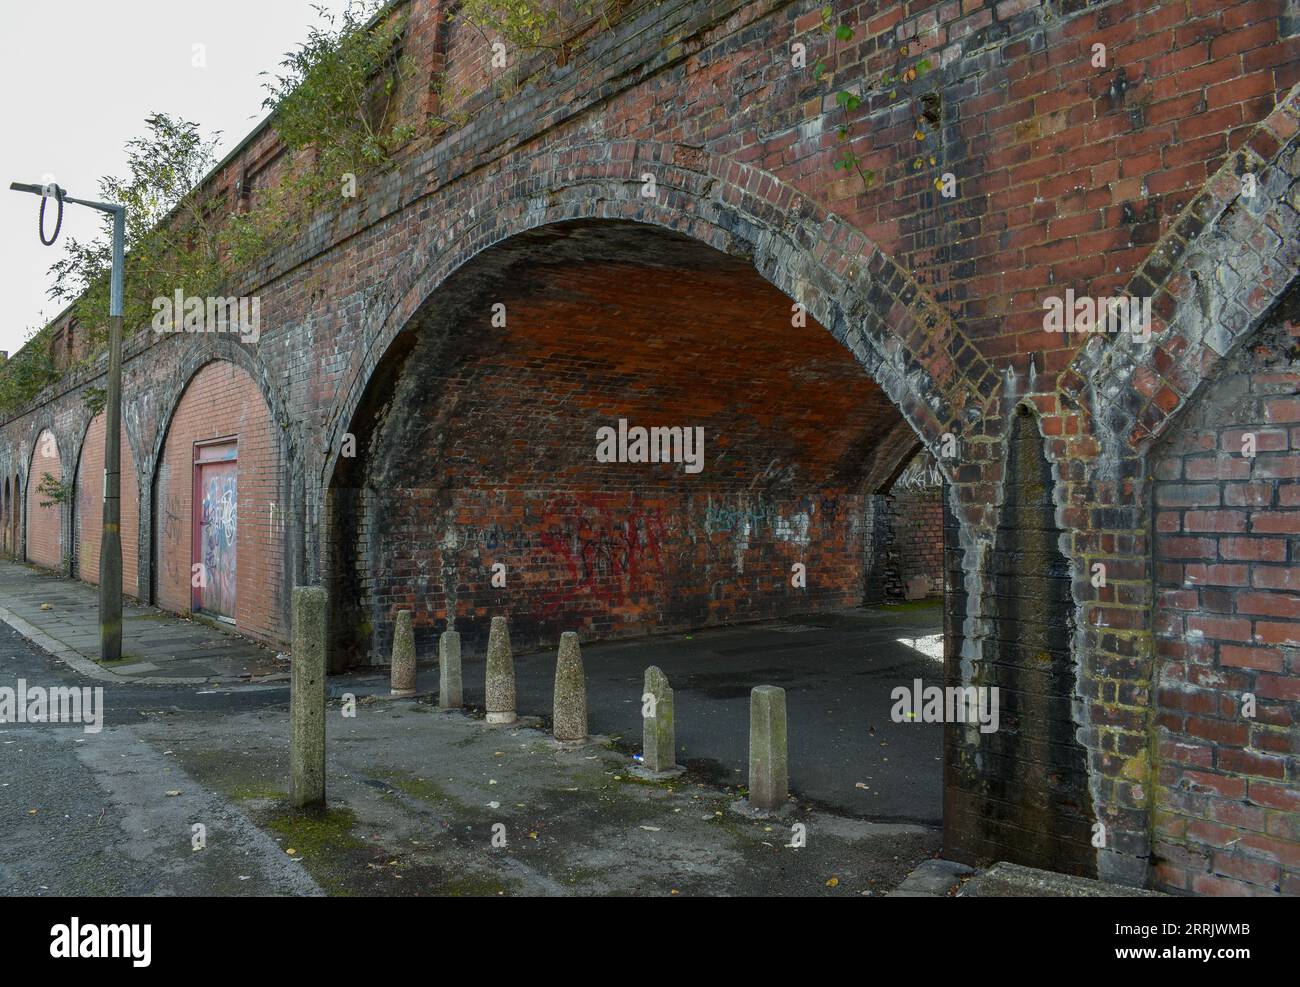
x,y
15,518
221,401
86,521
197,353
43,535
5,513
1226,261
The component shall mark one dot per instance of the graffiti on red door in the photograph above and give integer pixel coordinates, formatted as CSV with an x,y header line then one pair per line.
x,y
216,539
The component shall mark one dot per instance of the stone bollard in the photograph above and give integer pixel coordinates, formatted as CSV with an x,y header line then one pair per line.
x,y
450,693
658,739
307,698
769,771
570,692
402,673
500,688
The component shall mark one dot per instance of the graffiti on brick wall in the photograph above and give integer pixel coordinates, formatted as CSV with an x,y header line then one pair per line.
x,y
491,537
922,473
171,528
610,549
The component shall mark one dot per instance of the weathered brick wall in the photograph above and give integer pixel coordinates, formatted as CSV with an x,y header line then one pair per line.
x,y
1228,628
917,519
223,401
1021,793
88,510
44,524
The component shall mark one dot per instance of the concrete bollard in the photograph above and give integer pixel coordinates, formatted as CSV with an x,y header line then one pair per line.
x,y
769,769
500,688
402,673
570,692
658,737
450,693
307,698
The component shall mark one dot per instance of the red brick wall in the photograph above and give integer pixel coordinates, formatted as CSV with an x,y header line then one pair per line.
x,y
222,400
88,519
492,459
44,536
917,517
1228,626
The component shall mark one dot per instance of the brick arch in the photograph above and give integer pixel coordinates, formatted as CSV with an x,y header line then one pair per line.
x,y
904,340
265,500
218,347
215,349
85,551
50,545
1225,263
16,518
1249,244
6,506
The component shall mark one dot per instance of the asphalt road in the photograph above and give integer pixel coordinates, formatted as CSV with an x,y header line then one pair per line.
x,y
88,813
838,671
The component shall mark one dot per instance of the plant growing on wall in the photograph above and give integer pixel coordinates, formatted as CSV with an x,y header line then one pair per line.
x,y
336,94
530,25
848,101
53,490
94,399
172,240
335,97
27,372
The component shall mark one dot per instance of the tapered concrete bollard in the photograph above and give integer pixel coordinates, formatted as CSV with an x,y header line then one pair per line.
x,y
402,678
658,736
450,693
769,769
570,692
307,698
500,674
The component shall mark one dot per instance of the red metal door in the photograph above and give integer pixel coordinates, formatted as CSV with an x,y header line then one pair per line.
x,y
216,510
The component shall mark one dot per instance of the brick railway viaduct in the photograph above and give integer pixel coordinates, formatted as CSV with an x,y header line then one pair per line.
x,y
393,443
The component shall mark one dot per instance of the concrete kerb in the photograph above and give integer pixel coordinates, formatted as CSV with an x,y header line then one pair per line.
x,y
88,666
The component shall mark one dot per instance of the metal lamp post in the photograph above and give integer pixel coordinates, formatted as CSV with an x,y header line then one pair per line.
x,y
110,545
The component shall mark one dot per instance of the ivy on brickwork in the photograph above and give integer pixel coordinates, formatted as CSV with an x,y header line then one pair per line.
x,y
334,107
887,84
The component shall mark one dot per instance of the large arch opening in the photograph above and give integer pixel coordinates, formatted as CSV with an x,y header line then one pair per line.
x,y
483,483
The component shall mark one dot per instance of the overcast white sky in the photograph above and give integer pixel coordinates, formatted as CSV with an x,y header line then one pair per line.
x,y
79,78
